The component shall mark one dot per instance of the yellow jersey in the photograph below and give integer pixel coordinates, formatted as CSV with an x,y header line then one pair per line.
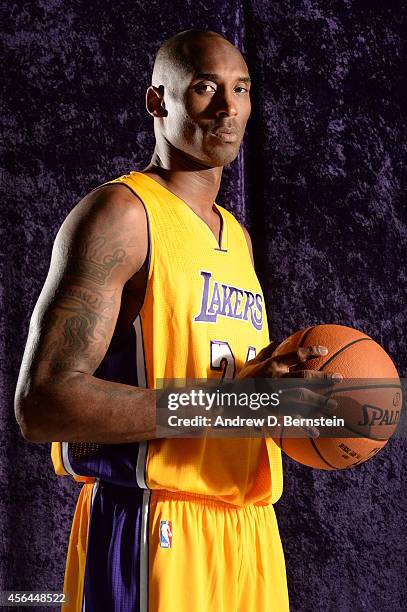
x,y
203,317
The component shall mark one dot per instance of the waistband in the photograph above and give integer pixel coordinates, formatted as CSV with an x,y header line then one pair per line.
x,y
167,495
204,500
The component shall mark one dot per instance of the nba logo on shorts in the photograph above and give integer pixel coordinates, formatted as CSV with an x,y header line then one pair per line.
x,y
165,534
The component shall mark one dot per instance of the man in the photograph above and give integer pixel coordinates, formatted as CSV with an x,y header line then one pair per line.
x,y
149,279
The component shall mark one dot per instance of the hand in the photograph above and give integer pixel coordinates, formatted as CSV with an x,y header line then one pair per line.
x,y
303,400
264,365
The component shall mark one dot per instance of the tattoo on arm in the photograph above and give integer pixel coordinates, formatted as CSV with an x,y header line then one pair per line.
x,y
84,316
94,264
79,323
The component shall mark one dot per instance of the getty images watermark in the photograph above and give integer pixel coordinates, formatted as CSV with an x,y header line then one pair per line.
x,y
369,408
212,401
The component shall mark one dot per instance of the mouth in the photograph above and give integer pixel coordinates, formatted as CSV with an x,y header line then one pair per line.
x,y
225,134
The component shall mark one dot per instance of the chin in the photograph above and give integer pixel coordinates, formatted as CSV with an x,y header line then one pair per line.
x,y
221,157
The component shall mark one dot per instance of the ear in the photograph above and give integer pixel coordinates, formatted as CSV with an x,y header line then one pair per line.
x,y
155,104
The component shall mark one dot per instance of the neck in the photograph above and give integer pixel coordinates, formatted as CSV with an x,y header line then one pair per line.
x,y
191,181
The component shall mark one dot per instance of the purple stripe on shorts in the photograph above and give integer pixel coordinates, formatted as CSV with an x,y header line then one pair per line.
x,y
112,574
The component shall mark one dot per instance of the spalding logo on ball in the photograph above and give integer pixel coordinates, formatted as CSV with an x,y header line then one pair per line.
x,y
371,409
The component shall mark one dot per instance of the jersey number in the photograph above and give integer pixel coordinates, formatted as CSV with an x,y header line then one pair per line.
x,y
223,360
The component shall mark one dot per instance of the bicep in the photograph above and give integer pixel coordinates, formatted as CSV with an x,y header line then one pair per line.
x,y
101,244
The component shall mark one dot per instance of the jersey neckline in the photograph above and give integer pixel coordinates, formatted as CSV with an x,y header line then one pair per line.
x,y
221,241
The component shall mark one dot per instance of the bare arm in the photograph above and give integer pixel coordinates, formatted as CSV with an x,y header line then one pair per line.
x,y
101,244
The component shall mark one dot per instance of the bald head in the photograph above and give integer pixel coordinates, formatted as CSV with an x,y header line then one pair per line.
x,y
175,57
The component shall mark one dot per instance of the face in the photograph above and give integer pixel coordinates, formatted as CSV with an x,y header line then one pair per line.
x,y
207,105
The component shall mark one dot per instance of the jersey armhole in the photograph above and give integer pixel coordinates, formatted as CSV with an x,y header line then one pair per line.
x,y
149,245
148,258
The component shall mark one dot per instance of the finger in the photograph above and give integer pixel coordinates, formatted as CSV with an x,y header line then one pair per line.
x,y
308,399
302,354
267,351
311,431
311,352
270,368
316,378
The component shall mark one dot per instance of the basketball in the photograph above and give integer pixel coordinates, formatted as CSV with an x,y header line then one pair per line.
x,y
371,408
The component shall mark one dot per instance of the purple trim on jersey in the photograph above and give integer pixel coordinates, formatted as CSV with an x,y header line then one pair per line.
x,y
114,463
148,238
221,229
144,353
112,573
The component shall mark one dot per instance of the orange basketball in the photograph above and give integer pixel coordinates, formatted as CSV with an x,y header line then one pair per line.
x,y
371,408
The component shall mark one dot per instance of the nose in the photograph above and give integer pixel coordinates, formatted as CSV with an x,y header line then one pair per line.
x,y
226,105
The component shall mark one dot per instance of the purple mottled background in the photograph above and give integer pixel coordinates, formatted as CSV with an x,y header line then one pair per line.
x,y
321,185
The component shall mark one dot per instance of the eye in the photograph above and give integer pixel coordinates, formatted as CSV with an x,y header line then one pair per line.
x,y
205,88
241,89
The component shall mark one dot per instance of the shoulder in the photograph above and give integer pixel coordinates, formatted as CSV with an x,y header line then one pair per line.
x,y
115,201
110,208
107,219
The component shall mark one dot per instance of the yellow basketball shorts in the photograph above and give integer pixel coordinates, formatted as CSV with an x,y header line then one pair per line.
x,y
219,558
135,550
